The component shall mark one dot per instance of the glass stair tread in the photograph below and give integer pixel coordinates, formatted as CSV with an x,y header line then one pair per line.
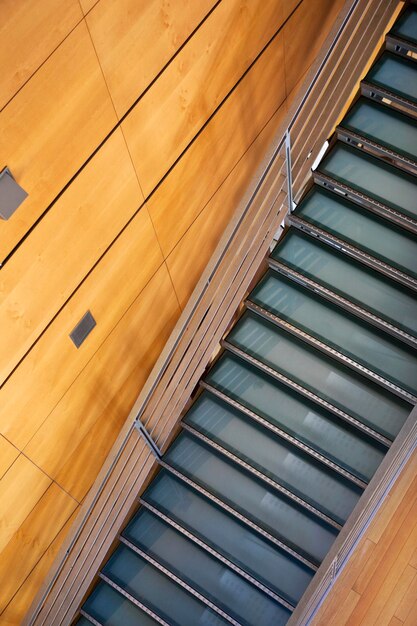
x,y
269,509
203,572
322,375
111,608
286,409
157,591
349,279
406,25
384,126
396,74
370,233
371,176
270,565
288,466
351,336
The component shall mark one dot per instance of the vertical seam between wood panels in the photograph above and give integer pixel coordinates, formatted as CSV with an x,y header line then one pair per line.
x,y
44,61
43,553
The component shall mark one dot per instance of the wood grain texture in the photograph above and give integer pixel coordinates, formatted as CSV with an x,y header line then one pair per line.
x,y
64,247
43,140
47,372
379,583
190,256
176,107
29,32
8,454
304,34
107,387
24,595
209,160
134,41
32,539
87,5
20,489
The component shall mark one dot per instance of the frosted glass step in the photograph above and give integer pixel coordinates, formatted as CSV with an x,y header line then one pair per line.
x,y
371,176
111,608
384,126
350,279
330,380
266,562
274,512
295,415
316,484
370,233
151,587
353,337
406,25
227,590
396,74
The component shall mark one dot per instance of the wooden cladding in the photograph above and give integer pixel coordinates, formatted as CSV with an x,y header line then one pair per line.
x,y
126,207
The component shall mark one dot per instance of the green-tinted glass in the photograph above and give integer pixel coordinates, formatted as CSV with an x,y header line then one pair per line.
x,y
378,351
396,74
268,563
406,25
111,608
204,573
268,508
318,485
157,591
373,177
368,232
323,375
385,126
291,412
351,280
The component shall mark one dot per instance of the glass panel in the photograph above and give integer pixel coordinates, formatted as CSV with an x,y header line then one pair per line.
x,y
396,74
82,621
353,337
303,531
368,232
146,583
406,25
373,177
282,407
385,126
267,563
226,589
321,374
361,285
279,460
110,608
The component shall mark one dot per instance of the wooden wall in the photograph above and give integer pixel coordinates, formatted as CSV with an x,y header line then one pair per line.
x,y
134,126
378,586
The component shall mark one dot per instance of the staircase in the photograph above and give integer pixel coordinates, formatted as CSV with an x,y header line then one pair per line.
x,y
314,382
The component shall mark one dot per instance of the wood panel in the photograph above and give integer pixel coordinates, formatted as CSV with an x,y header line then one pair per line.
x,y
32,539
87,5
107,387
48,370
379,584
24,595
64,247
175,108
8,454
134,41
21,487
205,165
190,256
43,140
29,32
304,34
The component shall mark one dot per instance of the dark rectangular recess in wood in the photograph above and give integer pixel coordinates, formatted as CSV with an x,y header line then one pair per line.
x,y
84,327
